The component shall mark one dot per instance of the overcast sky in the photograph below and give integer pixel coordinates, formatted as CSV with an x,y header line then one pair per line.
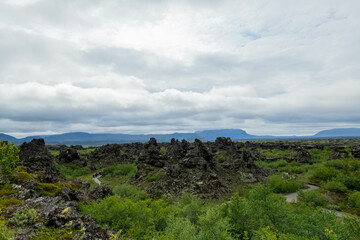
x,y
150,66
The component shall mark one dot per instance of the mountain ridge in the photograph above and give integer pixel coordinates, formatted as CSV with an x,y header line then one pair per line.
x,y
84,138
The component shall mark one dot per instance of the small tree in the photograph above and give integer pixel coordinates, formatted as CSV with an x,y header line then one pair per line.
x,y
8,156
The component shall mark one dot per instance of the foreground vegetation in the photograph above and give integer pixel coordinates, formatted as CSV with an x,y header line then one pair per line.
x,y
258,211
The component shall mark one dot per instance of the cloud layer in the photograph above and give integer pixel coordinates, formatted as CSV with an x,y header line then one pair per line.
x,y
270,67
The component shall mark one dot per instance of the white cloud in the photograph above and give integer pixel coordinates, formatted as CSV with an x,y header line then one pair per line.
x,y
102,66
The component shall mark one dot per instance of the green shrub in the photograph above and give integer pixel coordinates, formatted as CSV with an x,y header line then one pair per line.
x,y
5,232
213,225
71,170
55,234
120,169
283,185
130,191
163,150
180,228
25,217
138,220
190,207
220,158
354,200
313,197
324,174
335,186
8,157
318,155
338,164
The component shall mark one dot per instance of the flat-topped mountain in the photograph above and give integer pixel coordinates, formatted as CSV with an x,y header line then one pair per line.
x,y
83,138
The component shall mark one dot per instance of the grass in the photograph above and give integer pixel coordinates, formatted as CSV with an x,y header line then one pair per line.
x,y
86,151
54,152
156,177
276,153
70,171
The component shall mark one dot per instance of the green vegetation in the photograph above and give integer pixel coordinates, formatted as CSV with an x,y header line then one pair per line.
x,y
54,152
318,155
71,170
281,184
9,202
157,176
24,217
220,157
86,151
8,157
258,214
130,191
276,153
55,234
313,197
53,189
163,150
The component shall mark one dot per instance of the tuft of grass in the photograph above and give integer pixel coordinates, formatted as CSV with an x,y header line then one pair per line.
x,y
53,189
157,177
9,202
163,150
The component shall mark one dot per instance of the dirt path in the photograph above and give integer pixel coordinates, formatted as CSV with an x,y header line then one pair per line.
x,y
292,197
97,180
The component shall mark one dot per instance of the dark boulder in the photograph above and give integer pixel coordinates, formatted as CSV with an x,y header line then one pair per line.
x,y
100,192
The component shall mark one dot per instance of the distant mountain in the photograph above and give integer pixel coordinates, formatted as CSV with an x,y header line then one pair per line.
x,y
339,132
5,137
83,138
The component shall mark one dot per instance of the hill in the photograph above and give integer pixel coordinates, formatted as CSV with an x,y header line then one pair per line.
x,y
339,132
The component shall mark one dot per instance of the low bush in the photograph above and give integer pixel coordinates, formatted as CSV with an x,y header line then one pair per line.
x,y
163,150
354,200
318,155
338,164
280,184
335,186
313,197
25,217
71,170
8,157
324,174
138,220
120,169
130,191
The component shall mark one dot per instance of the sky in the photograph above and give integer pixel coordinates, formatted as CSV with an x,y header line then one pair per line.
x,y
279,67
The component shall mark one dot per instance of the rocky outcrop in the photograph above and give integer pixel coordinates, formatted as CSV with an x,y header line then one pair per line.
x,y
37,159
112,154
100,192
60,214
71,155
194,168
